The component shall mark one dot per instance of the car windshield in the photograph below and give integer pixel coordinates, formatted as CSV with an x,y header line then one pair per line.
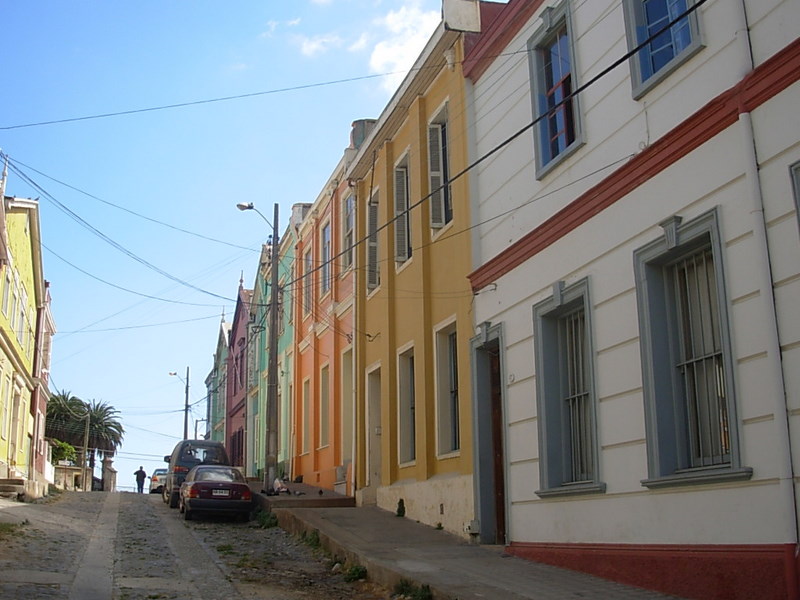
x,y
218,475
203,456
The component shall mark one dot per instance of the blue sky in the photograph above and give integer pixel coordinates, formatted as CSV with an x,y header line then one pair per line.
x,y
116,192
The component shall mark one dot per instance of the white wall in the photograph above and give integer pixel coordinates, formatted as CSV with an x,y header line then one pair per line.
x,y
760,510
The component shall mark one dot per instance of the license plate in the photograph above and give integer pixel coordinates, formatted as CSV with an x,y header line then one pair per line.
x,y
224,493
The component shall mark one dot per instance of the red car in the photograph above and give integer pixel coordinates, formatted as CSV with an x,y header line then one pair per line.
x,y
215,489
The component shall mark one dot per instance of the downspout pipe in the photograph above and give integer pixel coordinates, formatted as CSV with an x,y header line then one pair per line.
x,y
775,369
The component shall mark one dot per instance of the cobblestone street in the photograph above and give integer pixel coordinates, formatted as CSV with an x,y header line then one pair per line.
x,y
53,549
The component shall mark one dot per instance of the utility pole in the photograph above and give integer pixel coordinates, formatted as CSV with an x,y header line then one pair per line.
x,y
272,372
186,408
86,451
271,453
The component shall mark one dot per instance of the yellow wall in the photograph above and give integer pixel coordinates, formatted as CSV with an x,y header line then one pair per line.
x,y
17,328
413,298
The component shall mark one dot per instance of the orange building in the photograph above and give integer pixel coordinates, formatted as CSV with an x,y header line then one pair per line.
x,y
322,294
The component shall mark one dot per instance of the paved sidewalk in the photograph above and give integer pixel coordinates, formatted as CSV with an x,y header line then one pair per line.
x,y
394,548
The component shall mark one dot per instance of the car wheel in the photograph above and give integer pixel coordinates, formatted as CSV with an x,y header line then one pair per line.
x,y
187,515
164,495
173,500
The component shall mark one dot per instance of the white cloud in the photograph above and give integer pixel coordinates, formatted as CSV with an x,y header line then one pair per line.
x,y
270,29
360,43
313,46
407,31
272,26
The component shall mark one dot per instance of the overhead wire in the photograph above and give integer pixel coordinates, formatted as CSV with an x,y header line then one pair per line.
x,y
498,147
127,210
119,287
81,221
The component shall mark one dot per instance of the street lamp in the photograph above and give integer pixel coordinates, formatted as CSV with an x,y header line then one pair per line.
x,y
186,402
271,458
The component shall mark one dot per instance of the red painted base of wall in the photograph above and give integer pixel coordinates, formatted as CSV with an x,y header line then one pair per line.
x,y
718,572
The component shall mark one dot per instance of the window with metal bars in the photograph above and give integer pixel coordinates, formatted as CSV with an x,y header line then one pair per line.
x,y
687,359
565,400
578,463
553,80
700,364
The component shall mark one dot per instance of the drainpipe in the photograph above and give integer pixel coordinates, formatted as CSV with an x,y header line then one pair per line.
x,y
767,299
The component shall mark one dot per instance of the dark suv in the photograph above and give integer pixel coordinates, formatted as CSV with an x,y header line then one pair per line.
x,y
188,454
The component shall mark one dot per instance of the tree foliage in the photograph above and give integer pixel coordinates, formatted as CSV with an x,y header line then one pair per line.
x,y
66,421
63,451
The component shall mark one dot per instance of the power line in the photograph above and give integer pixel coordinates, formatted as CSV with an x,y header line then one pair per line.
x,y
579,90
127,210
81,221
145,325
119,287
196,102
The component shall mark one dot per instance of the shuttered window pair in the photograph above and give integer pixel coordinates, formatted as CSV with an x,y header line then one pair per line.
x,y
440,198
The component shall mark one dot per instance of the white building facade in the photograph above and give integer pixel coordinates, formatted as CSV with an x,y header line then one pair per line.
x,y
636,361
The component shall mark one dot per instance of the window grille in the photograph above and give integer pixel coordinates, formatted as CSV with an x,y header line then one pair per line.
x,y
700,363
576,400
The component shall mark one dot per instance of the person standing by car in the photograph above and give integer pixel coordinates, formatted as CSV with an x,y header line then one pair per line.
x,y
140,477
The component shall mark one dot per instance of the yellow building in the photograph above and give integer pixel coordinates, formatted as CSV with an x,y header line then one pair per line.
x,y
22,395
414,429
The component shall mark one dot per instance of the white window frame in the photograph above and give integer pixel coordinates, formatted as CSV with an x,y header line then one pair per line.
x,y
7,288
326,269
5,399
348,229
406,407
324,405
441,198
306,446
402,211
667,419
308,281
448,418
373,243
642,80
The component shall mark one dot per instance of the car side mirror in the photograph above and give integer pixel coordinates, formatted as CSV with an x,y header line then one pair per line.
x,y
166,458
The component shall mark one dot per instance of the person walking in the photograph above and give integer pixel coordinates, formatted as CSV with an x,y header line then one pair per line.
x,y
140,477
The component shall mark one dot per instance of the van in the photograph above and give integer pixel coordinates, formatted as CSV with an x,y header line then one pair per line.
x,y
188,454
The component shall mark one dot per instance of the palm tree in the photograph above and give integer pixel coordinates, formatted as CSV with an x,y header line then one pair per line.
x,y
105,430
65,420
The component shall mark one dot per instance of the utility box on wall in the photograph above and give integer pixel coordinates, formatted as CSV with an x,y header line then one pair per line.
x,y
462,15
